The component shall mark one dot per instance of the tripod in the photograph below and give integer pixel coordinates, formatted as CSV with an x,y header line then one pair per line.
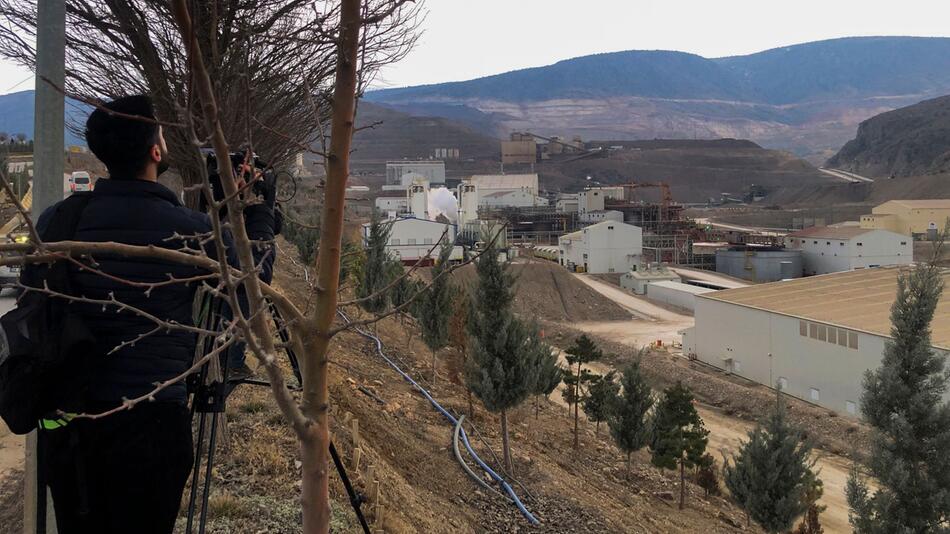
x,y
210,397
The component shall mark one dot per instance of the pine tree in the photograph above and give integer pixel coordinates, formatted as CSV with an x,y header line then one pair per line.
x,y
903,402
707,476
500,371
458,336
549,374
404,289
601,397
583,351
810,523
771,476
435,306
627,421
678,435
376,269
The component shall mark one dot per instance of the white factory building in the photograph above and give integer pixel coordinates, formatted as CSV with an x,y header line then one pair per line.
x,y
830,249
594,198
404,173
412,239
606,247
814,336
506,190
412,199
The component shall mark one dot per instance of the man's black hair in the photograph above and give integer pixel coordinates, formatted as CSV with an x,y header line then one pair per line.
x,y
123,144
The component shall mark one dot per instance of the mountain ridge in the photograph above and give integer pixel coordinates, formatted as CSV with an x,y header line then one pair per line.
x,y
807,98
909,141
16,116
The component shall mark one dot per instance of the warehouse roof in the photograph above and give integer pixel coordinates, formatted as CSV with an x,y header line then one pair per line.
x,y
573,236
831,232
934,203
860,300
506,181
681,287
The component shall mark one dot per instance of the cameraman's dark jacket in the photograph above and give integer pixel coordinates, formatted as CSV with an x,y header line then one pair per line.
x,y
137,212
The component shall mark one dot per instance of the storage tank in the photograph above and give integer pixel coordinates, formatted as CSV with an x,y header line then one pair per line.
x,y
757,263
468,202
419,200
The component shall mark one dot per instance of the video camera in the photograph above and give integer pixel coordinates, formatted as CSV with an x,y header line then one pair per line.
x,y
265,187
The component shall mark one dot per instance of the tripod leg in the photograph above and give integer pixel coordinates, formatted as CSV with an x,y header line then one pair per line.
x,y
195,472
354,498
206,491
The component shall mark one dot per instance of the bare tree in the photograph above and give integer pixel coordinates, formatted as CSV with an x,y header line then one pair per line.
x,y
268,59
194,44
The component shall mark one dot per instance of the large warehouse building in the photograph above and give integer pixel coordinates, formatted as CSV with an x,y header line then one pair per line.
x,y
815,336
828,249
911,217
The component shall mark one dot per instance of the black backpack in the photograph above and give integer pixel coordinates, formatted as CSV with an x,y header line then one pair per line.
x,y
45,344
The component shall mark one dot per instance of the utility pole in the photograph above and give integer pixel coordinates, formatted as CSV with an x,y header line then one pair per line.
x,y
48,150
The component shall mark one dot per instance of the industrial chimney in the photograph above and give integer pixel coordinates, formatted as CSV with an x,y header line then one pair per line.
x,y
419,200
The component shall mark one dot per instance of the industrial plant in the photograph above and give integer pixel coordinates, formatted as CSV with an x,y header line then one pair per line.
x,y
785,294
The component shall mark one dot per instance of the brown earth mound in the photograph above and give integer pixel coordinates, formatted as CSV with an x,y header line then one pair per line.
x,y
547,291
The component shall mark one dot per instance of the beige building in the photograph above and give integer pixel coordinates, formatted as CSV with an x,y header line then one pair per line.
x,y
814,336
911,217
521,149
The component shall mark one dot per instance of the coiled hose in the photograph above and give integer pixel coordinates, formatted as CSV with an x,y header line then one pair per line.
x,y
455,423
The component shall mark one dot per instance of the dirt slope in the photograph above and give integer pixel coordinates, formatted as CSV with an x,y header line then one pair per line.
x,y
423,488
545,290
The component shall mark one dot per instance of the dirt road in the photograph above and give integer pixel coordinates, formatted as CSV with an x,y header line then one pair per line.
x,y
652,322
725,433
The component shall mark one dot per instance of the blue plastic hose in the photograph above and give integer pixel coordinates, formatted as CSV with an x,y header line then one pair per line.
x,y
501,481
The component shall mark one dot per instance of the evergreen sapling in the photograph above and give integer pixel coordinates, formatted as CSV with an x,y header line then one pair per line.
x,y
583,351
627,420
601,397
435,307
678,435
500,369
771,475
903,401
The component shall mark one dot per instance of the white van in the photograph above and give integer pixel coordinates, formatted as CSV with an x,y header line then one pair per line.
x,y
80,181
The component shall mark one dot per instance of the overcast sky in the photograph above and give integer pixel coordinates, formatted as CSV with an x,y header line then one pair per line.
x,y
465,39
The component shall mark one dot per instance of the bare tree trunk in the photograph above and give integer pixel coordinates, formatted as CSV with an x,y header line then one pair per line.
x,y
434,373
505,445
682,483
310,420
577,392
597,428
315,449
537,406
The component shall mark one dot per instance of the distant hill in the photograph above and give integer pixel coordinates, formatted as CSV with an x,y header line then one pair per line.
x,y
909,141
807,98
16,116
397,135
696,170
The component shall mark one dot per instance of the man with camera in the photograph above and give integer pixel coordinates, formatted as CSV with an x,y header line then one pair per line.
x,y
126,472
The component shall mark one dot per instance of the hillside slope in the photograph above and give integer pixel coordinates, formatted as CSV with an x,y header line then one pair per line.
x,y
16,116
695,170
910,141
396,135
807,98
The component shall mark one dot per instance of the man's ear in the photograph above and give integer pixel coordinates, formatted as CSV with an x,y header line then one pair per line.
x,y
155,153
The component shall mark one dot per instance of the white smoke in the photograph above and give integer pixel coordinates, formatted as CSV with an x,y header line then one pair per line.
x,y
443,202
